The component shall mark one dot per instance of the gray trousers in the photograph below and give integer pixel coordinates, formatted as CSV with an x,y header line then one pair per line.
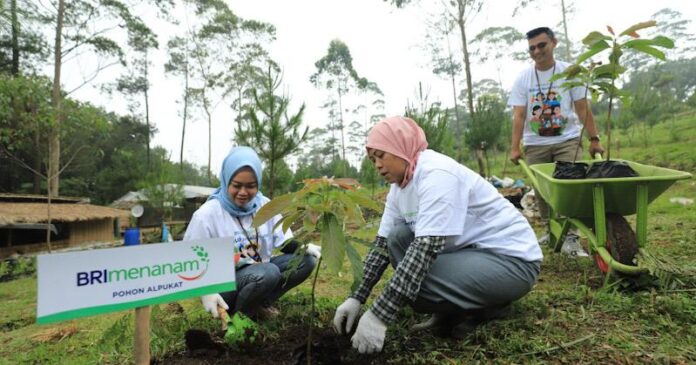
x,y
567,151
471,278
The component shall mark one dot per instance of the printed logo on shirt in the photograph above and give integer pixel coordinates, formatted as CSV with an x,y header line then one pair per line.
x,y
547,118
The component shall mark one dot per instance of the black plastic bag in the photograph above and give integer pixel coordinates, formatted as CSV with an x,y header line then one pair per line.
x,y
606,169
570,170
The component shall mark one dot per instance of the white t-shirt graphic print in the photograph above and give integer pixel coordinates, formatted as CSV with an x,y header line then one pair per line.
x,y
550,117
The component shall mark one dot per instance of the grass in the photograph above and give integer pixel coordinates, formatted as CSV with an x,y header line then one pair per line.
x,y
569,317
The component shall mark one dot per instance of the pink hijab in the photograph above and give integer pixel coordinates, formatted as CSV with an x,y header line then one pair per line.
x,y
401,137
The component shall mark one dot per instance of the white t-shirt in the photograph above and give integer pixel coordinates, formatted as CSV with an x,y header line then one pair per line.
x,y
446,198
212,221
551,117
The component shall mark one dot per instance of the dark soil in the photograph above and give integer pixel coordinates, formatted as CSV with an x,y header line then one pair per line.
x,y
289,347
623,245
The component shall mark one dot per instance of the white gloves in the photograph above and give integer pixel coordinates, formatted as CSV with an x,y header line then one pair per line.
x,y
348,312
369,336
313,250
211,303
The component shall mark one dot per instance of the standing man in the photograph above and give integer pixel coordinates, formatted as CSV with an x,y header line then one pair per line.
x,y
548,139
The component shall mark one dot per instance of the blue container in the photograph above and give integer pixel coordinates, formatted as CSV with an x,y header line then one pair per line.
x,y
131,237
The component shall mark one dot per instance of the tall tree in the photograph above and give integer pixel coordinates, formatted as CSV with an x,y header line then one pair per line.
x,y
494,43
271,131
485,134
444,63
223,40
179,64
136,82
565,46
81,26
22,46
460,11
335,71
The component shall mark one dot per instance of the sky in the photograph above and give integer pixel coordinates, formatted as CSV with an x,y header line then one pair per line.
x,y
387,45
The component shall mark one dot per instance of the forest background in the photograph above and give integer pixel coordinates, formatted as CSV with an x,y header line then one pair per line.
x,y
100,97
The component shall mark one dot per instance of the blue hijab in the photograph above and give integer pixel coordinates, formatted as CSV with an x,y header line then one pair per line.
x,y
237,158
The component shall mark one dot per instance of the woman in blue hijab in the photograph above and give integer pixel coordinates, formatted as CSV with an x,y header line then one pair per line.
x,y
229,211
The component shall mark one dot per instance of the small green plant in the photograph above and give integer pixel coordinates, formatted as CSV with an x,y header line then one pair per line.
x,y
326,208
601,78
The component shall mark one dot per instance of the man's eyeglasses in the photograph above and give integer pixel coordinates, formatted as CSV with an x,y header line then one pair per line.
x,y
540,45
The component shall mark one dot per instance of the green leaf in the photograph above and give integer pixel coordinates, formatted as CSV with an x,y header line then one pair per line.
x,y
291,219
272,208
658,41
611,70
333,242
351,210
359,197
636,27
650,51
572,84
597,47
595,37
355,264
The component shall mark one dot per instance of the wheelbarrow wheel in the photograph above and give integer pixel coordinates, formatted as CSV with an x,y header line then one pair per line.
x,y
621,242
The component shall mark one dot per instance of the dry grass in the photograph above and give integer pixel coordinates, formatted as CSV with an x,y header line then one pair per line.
x,y
11,213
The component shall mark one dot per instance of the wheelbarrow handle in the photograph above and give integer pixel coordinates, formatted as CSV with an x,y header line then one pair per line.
x,y
529,173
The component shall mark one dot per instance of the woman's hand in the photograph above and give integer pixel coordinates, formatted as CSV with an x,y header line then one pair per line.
x,y
346,312
211,303
313,250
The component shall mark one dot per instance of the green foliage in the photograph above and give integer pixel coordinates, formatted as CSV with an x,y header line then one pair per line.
x,y
326,208
15,268
435,124
485,132
496,42
369,175
161,193
23,48
270,130
599,78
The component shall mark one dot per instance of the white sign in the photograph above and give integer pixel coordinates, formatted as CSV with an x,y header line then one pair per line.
x,y
85,283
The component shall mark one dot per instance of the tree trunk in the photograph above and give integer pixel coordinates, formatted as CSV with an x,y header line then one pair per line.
x,y
481,158
467,63
565,31
15,38
147,110
210,141
340,120
183,127
54,134
37,165
271,177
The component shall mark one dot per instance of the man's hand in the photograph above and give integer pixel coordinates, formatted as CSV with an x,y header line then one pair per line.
x,y
595,148
211,303
313,250
346,312
369,336
515,155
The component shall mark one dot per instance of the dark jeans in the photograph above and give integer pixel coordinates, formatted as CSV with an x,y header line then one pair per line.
x,y
263,283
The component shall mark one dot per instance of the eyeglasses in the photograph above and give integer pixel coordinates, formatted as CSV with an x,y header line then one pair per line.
x,y
540,45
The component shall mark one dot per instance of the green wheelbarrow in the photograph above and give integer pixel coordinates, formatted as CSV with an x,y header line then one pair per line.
x,y
597,208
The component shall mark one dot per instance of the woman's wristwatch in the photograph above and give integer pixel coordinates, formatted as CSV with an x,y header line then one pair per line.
x,y
594,138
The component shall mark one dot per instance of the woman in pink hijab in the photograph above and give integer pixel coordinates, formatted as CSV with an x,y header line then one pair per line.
x,y
460,250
